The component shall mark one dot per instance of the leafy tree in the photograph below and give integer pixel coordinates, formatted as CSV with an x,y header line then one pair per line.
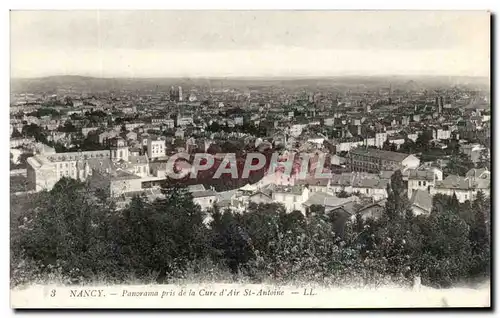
x,y
397,200
484,159
343,194
458,164
386,145
63,231
409,146
16,134
446,249
423,140
479,235
233,246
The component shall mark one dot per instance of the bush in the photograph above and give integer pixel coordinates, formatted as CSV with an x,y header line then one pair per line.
x,y
72,235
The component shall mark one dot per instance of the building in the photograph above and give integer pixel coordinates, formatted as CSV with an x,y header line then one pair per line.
x,y
292,197
375,160
373,210
346,144
422,179
421,202
156,147
184,120
179,94
473,151
366,184
45,170
204,198
464,188
119,149
441,133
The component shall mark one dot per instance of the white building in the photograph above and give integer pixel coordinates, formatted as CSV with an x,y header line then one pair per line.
x,y
441,133
204,198
422,179
156,147
465,188
292,197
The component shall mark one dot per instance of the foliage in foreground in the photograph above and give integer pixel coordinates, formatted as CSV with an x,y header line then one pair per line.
x,y
75,236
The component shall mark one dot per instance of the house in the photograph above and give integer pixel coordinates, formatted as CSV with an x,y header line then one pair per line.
x,y
204,198
292,197
340,216
472,150
478,173
441,133
316,185
366,184
261,196
421,202
328,201
296,129
131,135
156,147
465,188
346,144
422,179
373,210
397,139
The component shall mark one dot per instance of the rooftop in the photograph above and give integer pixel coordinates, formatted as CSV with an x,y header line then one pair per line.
x,y
381,154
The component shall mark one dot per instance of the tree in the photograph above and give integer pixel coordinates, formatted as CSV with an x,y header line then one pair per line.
x,y
386,145
343,194
458,164
232,244
446,249
16,134
479,236
484,159
64,231
423,140
68,127
408,147
397,200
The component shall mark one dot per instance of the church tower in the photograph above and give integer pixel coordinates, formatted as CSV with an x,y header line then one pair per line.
x,y
119,149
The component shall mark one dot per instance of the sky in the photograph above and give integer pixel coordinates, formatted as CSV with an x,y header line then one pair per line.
x,y
249,43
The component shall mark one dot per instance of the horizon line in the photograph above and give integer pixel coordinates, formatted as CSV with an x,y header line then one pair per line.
x,y
252,76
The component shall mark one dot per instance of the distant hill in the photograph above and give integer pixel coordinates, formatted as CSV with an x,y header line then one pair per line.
x,y
93,84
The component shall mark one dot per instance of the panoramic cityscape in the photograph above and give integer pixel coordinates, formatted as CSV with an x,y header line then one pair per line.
x,y
265,174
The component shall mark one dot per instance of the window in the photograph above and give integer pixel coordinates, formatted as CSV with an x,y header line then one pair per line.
x,y
420,183
424,183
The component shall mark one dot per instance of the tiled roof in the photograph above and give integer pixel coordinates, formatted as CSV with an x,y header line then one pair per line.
x,y
422,199
201,194
381,154
296,190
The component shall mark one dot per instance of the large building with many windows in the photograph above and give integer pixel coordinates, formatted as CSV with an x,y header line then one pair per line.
x,y
375,160
44,171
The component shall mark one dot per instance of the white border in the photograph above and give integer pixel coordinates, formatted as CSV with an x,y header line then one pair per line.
x,y
492,5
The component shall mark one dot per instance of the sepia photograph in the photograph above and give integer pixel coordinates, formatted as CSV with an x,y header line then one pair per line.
x,y
179,159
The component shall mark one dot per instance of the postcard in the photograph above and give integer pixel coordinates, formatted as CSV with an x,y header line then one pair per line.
x,y
250,159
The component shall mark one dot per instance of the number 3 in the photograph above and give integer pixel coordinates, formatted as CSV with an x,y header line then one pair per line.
x,y
52,293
